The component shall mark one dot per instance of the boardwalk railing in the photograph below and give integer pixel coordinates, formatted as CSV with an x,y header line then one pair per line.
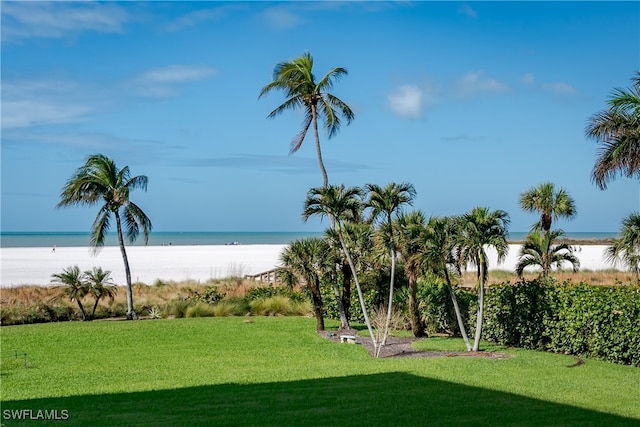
x,y
270,276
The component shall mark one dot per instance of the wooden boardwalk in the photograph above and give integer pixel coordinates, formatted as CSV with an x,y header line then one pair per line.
x,y
270,276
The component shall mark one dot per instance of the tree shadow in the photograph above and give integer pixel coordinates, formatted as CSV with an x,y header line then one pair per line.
x,y
390,399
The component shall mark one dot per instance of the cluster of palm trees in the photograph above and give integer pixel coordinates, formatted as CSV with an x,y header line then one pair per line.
x,y
76,285
371,235
441,246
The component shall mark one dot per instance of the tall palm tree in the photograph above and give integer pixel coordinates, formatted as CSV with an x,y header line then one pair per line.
x,y
384,203
481,228
99,181
341,204
307,259
539,250
550,203
410,234
296,79
618,130
72,285
625,248
100,285
439,246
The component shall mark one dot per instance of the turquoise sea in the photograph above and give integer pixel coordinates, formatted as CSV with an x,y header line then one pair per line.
x,y
61,239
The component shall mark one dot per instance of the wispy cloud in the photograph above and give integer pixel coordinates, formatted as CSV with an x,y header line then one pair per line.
x,y
164,81
476,83
559,88
29,103
197,17
466,9
59,19
271,163
407,101
527,78
281,18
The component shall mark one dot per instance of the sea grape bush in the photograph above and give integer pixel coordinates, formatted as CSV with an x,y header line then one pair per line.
x,y
594,321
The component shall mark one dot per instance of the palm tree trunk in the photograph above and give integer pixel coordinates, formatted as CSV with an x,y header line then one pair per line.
x,y
346,290
95,305
360,295
131,314
84,315
456,308
476,341
317,304
344,322
417,326
390,304
314,119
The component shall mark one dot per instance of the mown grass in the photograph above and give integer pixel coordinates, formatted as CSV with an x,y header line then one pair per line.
x,y
278,371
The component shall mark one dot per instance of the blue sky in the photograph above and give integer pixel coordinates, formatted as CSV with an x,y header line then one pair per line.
x,y
472,102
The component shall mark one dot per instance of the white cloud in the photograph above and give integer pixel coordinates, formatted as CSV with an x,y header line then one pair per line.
x,y
528,78
560,88
202,15
474,83
59,19
465,9
407,101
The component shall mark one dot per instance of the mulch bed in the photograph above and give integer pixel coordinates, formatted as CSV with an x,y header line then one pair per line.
x,y
401,347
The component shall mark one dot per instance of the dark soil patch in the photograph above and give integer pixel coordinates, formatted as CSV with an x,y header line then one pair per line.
x,y
401,347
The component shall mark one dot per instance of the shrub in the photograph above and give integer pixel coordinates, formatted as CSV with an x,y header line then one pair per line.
x,y
273,291
279,306
211,295
436,307
200,309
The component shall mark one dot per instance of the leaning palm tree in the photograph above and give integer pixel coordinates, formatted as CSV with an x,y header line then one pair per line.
x,y
439,240
296,79
625,248
550,203
72,286
341,205
618,130
100,285
383,203
307,259
481,228
99,181
540,251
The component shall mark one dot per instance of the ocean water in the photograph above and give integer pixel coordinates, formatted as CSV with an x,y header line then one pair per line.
x,y
79,239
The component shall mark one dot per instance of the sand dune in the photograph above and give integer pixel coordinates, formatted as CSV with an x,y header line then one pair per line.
x,y
35,266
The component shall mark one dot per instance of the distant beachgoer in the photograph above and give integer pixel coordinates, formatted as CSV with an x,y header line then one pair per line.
x,y
53,249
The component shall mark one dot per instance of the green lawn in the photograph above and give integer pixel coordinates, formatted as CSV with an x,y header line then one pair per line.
x,y
278,371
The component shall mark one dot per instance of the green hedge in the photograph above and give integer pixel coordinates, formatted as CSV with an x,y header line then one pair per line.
x,y
581,319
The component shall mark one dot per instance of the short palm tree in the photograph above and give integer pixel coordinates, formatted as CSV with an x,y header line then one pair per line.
x,y
72,285
99,181
479,229
296,79
410,245
540,251
100,285
618,130
550,203
625,249
307,259
341,204
383,203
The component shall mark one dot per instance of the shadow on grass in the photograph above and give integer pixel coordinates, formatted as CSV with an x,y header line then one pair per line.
x,y
392,399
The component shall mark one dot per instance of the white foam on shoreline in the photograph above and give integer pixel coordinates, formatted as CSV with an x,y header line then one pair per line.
x,y
34,266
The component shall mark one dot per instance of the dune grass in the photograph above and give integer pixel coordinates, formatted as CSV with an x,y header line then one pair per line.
x,y
278,371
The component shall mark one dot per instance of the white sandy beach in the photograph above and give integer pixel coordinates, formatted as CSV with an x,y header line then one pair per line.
x,y
34,266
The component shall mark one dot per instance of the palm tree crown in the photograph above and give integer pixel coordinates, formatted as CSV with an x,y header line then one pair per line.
x,y
618,130
626,247
549,202
539,250
100,181
296,79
